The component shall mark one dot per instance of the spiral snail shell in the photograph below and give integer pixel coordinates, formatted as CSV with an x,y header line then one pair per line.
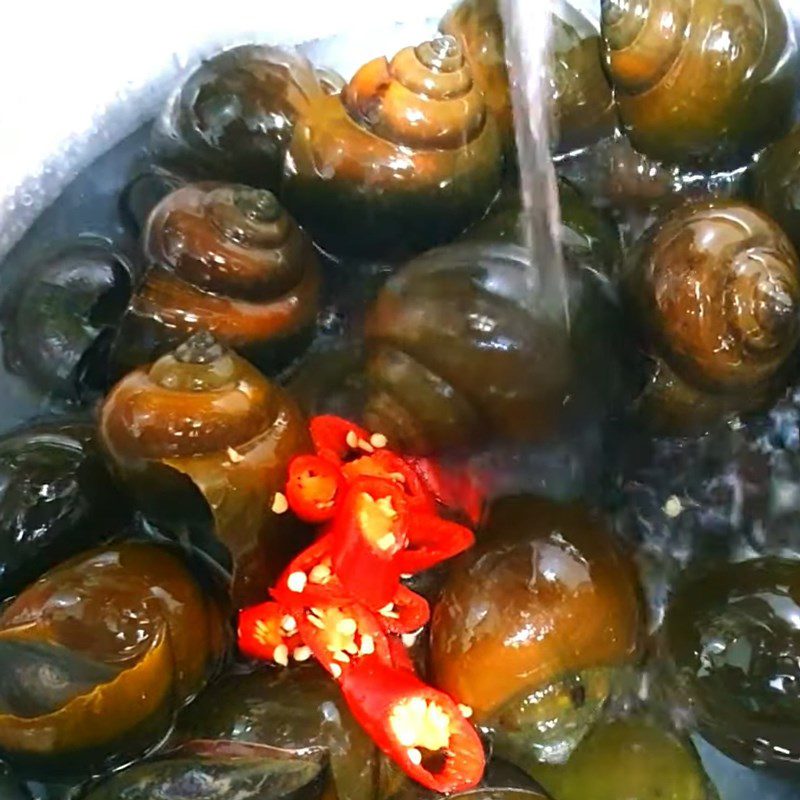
x,y
202,440
530,627
100,653
581,97
232,118
456,356
701,81
227,259
716,291
405,158
58,320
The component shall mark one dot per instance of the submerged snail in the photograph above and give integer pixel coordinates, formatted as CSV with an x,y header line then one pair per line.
x,y
296,709
99,653
701,81
218,770
56,499
202,439
227,259
405,158
232,118
775,183
530,630
638,760
59,320
732,647
456,354
715,288
581,97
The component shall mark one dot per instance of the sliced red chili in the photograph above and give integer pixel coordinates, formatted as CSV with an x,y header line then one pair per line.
x,y
370,530
452,488
419,727
338,439
341,636
314,488
389,465
401,657
268,631
407,612
310,579
431,541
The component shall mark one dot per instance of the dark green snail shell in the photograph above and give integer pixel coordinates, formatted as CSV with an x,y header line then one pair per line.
x,y
218,771
11,789
501,781
732,652
59,320
232,118
293,709
636,758
774,183
56,499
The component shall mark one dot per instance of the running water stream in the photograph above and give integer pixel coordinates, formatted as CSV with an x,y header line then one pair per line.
x,y
527,33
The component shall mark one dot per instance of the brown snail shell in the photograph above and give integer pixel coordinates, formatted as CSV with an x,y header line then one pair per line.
x,y
227,259
716,291
582,101
546,603
202,433
100,653
406,157
701,80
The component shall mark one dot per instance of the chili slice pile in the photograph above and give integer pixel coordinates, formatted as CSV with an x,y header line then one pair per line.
x,y
342,601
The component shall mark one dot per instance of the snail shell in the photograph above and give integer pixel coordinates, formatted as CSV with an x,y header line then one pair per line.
x,y
746,707
296,709
455,356
701,80
98,655
221,769
227,259
546,603
58,321
775,184
232,118
581,97
716,291
405,158
56,499
201,433
637,758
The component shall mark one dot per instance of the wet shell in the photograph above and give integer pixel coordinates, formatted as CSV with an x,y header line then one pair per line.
x,y
731,643
227,259
202,439
716,291
701,81
581,97
529,629
99,653
232,118
59,320
405,158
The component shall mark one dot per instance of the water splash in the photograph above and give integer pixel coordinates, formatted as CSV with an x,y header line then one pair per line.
x,y
528,41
